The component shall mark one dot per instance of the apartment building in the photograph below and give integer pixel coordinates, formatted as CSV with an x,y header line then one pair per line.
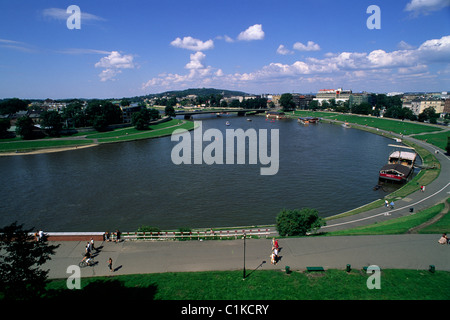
x,y
419,104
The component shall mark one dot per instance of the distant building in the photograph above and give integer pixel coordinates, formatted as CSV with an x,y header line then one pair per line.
x,y
446,106
358,98
419,104
337,94
127,112
302,100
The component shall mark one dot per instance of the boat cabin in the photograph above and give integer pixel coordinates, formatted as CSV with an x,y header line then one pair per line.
x,y
402,157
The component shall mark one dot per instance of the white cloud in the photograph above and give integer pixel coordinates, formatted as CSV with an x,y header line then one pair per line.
x,y
426,6
61,14
378,66
192,44
15,45
196,59
311,46
254,32
283,50
113,63
435,50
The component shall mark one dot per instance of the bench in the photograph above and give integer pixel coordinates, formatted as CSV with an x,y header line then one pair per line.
x,y
315,269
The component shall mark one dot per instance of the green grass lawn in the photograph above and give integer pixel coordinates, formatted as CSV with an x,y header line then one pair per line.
x,y
29,145
396,126
262,285
125,134
436,139
398,225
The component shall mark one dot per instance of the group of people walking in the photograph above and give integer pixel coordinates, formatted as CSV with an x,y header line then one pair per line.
x,y
115,236
88,255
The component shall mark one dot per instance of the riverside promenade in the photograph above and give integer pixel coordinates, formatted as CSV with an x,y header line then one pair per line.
x,y
407,251
410,251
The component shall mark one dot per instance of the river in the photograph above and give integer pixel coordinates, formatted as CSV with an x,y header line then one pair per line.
x,y
128,185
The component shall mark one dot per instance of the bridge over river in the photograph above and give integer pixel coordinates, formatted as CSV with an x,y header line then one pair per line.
x,y
240,112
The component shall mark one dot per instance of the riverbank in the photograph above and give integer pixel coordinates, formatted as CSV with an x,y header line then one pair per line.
x,y
409,133
15,147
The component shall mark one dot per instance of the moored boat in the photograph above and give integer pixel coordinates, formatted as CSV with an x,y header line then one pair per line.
x,y
399,167
308,120
275,115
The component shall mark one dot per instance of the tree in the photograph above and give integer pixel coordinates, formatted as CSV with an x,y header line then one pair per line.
x,y
52,122
100,124
20,275
141,119
313,105
362,108
5,124
24,127
429,114
169,111
298,222
12,106
111,112
287,102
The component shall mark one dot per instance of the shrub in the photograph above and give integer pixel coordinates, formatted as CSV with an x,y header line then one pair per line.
x,y
298,222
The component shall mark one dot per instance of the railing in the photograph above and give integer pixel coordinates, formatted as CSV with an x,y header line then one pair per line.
x,y
198,235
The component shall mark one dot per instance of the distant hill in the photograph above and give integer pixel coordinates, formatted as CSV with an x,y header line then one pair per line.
x,y
202,92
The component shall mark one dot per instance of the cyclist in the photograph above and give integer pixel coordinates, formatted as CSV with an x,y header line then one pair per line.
x,y
87,258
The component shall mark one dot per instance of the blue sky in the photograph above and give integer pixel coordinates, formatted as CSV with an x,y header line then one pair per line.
x,y
132,48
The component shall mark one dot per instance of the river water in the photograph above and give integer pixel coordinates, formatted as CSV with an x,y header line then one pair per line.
x,y
128,185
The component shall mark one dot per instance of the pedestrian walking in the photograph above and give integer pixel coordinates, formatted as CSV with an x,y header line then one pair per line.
x,y
272,258
386,203
392,204
41,235
88,247
117,236
110,265
92,244
422,188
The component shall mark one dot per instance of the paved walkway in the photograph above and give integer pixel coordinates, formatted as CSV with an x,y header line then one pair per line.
x,y
411,251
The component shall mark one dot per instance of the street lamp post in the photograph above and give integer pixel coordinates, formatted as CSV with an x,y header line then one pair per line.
x,y
243,276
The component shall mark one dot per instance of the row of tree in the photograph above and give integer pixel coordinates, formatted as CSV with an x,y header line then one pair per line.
x,y
214,101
